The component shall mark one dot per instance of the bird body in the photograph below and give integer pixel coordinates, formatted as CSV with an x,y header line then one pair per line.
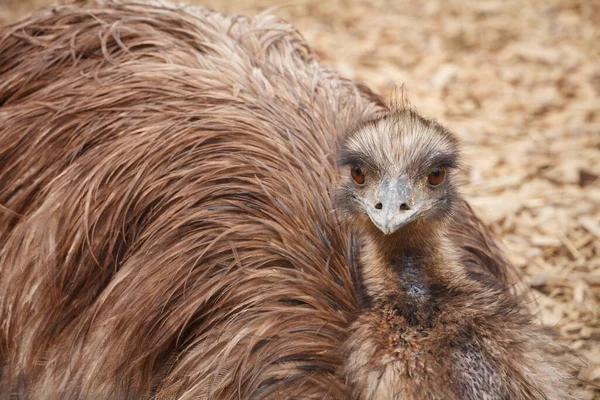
x,y
167,225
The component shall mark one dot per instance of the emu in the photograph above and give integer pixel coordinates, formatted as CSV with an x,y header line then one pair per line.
x,y
431,327
167,222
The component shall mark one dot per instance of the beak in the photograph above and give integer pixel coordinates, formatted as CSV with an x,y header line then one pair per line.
x,y
392,209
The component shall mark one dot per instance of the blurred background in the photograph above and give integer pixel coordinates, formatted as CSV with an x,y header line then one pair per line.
x,y
519,82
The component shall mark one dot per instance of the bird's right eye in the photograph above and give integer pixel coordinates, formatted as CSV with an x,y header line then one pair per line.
x,y
358,175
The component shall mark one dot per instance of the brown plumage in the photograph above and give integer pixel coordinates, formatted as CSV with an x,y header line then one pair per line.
x,y
166,221
431,326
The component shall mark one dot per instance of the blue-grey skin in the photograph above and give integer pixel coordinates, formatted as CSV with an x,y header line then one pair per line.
x,y
398,206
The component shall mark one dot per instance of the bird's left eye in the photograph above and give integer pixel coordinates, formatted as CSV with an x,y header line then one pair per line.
x,y
436,176
358,175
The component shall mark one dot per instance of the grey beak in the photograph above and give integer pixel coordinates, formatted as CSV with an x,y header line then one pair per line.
x,y
392,208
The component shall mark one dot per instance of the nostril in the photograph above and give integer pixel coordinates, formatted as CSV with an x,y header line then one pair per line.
x,y
379,206
404,207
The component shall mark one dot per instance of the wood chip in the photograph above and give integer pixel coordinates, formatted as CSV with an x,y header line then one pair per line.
x,y
592,226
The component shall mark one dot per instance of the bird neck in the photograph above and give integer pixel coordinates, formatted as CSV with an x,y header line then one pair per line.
x,y
407,266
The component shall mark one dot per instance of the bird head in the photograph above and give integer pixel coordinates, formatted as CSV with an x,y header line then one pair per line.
x,y
397,172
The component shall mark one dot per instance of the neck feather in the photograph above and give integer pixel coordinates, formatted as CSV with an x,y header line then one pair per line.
x,y
408,263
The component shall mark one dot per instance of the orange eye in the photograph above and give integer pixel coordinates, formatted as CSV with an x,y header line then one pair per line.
x,y
436,176
358,175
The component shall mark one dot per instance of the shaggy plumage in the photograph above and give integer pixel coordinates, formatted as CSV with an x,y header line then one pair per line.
x,y
431,326
166,222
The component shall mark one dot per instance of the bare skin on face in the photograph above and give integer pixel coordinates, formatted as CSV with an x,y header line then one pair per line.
x,y
430,327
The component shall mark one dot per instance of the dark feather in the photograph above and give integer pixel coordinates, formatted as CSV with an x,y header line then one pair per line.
x,y
166,224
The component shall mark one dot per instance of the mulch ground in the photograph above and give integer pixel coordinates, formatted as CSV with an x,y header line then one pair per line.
x,y
519,82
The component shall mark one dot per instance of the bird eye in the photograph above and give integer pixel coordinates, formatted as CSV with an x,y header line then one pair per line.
x,y
358,175
436,176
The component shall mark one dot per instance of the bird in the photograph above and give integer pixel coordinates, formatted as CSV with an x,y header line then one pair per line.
x,y
431,326
168,226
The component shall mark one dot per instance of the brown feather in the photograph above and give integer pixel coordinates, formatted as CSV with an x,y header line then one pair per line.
x,y
166,222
